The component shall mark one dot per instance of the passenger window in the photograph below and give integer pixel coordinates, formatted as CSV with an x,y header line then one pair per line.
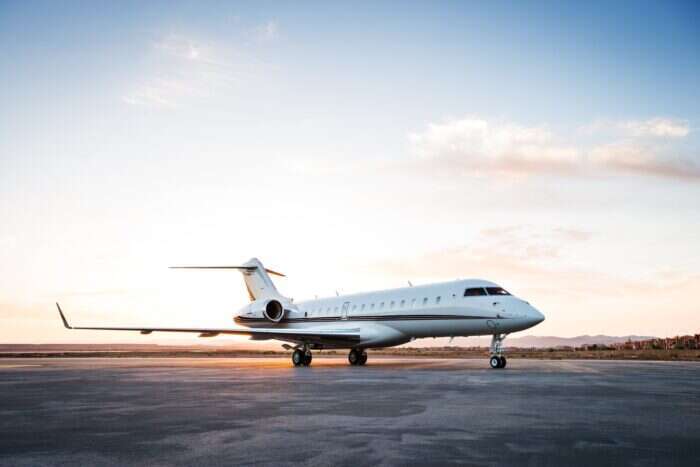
x,y
392,304
371,307
354,307
403,303
474,292
496,291
425,301
413,302
437,300
362,308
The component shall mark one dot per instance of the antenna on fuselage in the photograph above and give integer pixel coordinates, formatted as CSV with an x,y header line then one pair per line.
x,y
409,284
336,293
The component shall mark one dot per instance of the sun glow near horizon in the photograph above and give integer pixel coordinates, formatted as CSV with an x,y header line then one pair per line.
x,y
352,150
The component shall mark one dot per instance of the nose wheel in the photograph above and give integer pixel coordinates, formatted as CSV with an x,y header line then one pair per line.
x,y
497,360
357,357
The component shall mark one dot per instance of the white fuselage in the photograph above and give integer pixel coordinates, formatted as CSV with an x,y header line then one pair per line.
x,y
392,317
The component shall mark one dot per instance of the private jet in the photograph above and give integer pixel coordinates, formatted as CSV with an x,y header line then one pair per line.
x,y
369,320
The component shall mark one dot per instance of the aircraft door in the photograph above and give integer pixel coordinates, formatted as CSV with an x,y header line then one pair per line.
x,y
344,311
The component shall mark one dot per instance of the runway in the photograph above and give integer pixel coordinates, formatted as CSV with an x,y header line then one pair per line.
x,y
255,411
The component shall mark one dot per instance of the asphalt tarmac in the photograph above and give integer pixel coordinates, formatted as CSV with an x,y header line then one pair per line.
x,y
254,411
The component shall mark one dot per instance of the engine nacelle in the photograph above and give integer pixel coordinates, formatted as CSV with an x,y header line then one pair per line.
x,y
273,311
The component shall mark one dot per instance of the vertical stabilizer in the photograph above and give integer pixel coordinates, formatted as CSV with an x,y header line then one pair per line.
x,y
257,280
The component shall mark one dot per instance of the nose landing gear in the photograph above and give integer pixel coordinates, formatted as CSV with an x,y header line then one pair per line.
x,y
497,360
357,357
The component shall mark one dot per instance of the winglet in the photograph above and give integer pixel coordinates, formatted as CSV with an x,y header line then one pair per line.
x,y
63,318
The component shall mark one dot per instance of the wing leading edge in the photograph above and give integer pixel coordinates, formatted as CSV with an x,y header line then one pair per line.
x,y
290,335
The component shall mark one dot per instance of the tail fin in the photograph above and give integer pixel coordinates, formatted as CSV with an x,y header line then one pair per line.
x,y
256,276
257,280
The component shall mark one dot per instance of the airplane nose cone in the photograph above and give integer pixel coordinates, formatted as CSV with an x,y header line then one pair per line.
x,y
535,316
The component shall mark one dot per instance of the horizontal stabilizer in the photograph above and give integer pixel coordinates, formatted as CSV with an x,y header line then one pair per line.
x,y
257,278
241,268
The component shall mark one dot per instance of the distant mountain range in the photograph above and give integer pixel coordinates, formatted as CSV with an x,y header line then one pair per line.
x,y
554,341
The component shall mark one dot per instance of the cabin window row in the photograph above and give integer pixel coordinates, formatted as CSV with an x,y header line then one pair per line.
x,y
380,305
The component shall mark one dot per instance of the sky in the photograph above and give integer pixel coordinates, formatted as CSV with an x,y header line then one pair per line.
x,y
551,147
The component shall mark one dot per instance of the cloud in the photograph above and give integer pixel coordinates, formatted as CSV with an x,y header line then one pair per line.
x,y
525,237
483,260
476,145
180,47
517,251
527,243
572,234
267,31
183,68
536,259
644,160
658,127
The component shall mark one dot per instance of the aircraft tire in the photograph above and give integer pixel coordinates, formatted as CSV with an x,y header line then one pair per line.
x,y
307,359
298,357
354,357
503,362
495,362
363,359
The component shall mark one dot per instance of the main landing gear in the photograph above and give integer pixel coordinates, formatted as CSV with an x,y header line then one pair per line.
x,y
497,360
357,357
301,357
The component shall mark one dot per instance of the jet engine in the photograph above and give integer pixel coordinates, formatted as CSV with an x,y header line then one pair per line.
x,y
274,311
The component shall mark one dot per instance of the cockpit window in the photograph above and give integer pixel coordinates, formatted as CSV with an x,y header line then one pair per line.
x,y
496,291
474,291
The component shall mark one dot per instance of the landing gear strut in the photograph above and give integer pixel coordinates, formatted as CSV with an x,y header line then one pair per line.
x,y
497,360
302,356
357,357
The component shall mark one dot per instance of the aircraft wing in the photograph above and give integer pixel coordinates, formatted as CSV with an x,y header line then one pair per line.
x,y
323,336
